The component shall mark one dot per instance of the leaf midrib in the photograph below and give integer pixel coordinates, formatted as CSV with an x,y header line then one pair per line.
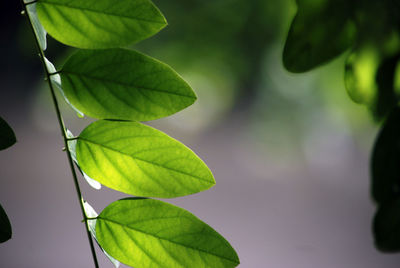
x,y
164,239
124,84
146,161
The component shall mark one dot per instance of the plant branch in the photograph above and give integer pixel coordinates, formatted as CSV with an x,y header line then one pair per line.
x,y
64,134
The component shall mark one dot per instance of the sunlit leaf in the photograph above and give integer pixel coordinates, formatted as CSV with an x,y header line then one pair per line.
x,y
361,68
139,160
100,23
123,84
385,160
72,149
151,233
91,213
320,31
56,81
5,226
370,75
386,226
7,136
40,32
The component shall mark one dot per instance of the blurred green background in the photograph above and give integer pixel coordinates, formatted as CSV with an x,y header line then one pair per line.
x,y
290,153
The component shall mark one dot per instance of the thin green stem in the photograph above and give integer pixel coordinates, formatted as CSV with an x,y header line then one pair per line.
x,y
64,135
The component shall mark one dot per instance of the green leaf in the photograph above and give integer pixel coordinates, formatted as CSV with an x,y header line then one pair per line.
x,y
123,84
91,213
100,23
40,32
55,79
370,74
7,136
385,160
151,233
72,149
386,226
139,160
360,73
5,226
320,31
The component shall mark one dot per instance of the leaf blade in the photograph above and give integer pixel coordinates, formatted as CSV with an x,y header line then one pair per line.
x,y
370,72
7,136
310,44
385,170
157,234
100,23
386,226
5,226
123,84
72,149
40,32
139,160
91,213
55,79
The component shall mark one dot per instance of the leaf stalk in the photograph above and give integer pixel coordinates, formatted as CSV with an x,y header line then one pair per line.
x,y
63,132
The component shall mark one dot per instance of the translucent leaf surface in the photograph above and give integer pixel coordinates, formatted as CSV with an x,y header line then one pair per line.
x,y
385,160
5,226
139,160
370,75
91,213
7,136
56,81
72,149
40,32
361,68
100,23
386,226
151,233
320,31
123,84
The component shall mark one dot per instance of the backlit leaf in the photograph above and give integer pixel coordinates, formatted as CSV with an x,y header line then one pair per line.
x,y
72,149
91,213
5,226
320,31
139,160
55,79
100,23
40,32
386,226
7,136
361,68
385,160
151,233
123,84
370,74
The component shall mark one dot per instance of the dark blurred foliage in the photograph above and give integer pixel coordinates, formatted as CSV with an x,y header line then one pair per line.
x,y
7,139
386,226
320,32
7,136
5,226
